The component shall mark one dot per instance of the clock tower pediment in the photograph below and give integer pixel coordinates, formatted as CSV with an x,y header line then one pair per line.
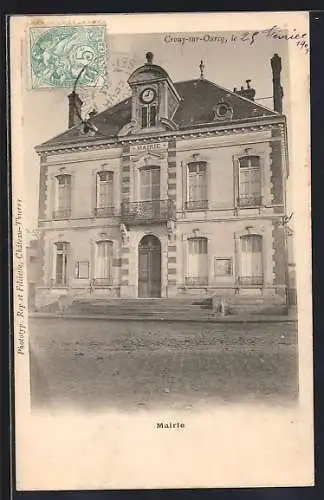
x,y
148,158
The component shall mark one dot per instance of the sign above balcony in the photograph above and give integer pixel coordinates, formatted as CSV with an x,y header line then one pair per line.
x,y
149,147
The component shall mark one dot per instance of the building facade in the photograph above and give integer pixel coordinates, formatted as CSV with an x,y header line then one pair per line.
x,y
34,271
177,191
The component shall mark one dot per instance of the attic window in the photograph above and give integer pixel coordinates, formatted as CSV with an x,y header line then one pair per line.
x,y
223,111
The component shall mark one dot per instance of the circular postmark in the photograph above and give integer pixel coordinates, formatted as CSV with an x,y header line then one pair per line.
x,y
123,63
58,54
115,88
120,66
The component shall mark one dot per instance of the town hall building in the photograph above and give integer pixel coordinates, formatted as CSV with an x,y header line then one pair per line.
x,y
177,191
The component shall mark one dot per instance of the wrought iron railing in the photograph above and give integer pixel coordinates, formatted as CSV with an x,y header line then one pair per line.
x,y
102,282
63,213
107,211
59,282
251,280
196,205
139,212
196,280
246,201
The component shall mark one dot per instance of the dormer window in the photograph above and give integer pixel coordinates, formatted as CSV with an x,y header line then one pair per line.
x,y
223,111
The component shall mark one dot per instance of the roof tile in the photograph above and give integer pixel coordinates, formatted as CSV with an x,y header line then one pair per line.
x,y
199,97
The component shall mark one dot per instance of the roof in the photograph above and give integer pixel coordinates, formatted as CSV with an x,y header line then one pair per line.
x,y
199,97
147,72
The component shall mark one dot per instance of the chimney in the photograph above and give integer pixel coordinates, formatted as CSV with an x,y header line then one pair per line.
x,y
75,105
277,88
248,92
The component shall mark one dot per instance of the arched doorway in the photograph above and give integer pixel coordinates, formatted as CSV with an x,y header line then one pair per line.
x,y
149,267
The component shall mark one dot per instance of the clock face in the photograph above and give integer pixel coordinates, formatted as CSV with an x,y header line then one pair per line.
x,y
148,95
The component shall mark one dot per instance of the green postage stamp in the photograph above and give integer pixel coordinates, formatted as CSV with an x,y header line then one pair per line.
x,y
58,55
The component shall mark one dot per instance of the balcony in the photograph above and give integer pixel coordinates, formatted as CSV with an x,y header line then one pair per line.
x,y
256,280
196,281
107,211
249,201
196,205
102,282
63,213
147,212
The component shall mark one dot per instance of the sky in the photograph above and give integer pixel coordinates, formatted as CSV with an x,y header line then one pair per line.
x,y
45,111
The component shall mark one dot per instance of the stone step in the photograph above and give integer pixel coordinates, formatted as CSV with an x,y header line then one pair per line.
x,y
143,314
138,312
137,302
192,312
173,305
135,307
257,300
168,308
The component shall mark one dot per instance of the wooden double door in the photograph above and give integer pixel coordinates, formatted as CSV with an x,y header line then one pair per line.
x,y
149,267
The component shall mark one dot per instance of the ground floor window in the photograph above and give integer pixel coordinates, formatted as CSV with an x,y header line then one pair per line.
x,y
104,259
197,272
251,268
61,263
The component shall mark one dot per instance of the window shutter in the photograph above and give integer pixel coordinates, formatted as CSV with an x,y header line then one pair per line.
x,y
144,117
52,205
51,262
92,259
184,182
152,111
94,191
235,180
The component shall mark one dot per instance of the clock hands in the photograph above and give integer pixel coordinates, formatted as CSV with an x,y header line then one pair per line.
x,y
148,95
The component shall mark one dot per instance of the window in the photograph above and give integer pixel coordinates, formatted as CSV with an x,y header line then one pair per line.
x,y
82,270
222,111
105,193
149,115
197,186
249,181
63,200
197,262
61,263
251,260
223,267
150,183
104,263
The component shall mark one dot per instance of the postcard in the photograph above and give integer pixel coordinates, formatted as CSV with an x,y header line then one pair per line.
x,y
161,251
